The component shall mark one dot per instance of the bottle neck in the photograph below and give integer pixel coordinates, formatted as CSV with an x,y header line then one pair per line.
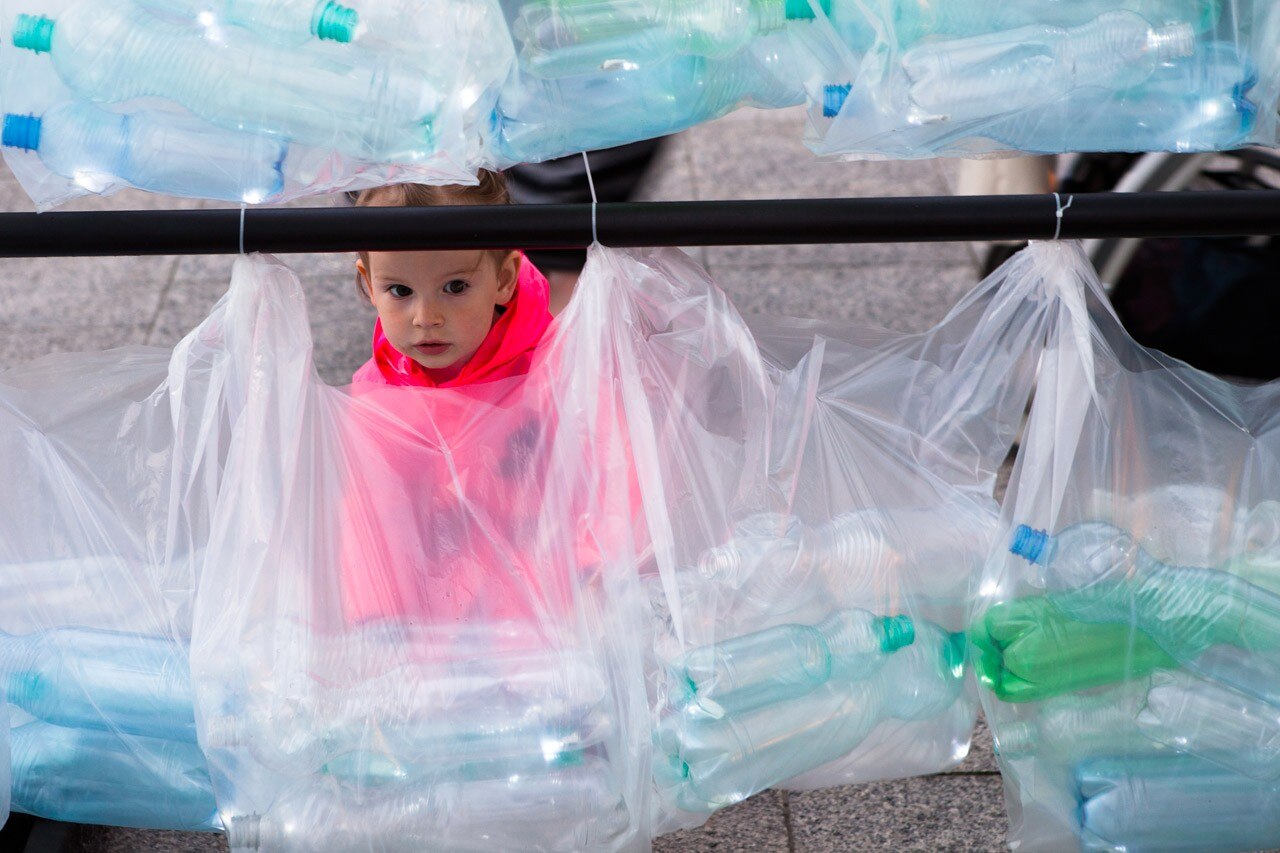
x,y
245,832
850,542
1016,739
1172,42
851,633
770,15
18,653
223,732
722,563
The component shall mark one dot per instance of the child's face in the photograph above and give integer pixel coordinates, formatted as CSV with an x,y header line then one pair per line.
x,y
437,307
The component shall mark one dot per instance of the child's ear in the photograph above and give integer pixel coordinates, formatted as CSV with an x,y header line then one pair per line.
x,y
508,276
362,280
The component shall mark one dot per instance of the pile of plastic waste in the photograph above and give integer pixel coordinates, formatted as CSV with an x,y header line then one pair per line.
x,y
262,101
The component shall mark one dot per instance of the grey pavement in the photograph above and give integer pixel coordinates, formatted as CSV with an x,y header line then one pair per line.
x,y
49,305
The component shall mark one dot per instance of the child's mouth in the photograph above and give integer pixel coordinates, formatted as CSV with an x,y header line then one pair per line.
x,y
432,348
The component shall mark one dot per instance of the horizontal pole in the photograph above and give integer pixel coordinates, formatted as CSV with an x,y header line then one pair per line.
x,y
681,223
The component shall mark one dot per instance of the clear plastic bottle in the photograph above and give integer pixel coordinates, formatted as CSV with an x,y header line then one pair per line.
x,y
787,661
159,152
572,809
1214,722
997,73
1096,572
288,21
537,119
913,20
724,761
101,680
316,94
1069,728
85,776
562,39
474,29
490,742
1177,802
775,563
1199,104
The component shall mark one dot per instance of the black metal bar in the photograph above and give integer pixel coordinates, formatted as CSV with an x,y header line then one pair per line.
x,y
707,223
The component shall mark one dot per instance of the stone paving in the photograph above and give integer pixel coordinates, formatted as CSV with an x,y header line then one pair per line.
x,y
49,305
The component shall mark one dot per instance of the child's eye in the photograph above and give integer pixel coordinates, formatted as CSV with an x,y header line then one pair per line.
x,y
399,291
456,286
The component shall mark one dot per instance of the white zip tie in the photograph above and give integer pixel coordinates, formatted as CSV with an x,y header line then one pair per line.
x,y
595,236
1062,208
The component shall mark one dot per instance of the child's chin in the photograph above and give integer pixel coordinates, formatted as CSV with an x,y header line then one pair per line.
x,y
441,364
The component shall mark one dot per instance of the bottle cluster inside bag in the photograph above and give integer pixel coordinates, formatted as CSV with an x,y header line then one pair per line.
x,y
254,101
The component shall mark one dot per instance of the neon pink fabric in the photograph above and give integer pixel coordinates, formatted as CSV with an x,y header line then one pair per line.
x,y
443,487
506,351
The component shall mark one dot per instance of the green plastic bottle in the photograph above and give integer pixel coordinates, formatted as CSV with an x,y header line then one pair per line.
x,y
1029,650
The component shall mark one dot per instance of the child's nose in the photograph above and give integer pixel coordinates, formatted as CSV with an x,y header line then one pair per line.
x,y
428,315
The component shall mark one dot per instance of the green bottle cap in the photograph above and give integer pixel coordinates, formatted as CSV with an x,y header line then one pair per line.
x,y
896,632
33,32
801,10
954,651
334,22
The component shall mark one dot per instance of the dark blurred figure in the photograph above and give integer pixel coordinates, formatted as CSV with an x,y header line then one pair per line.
x,y
617,173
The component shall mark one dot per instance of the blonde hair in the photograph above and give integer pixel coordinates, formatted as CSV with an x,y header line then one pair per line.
x,y
491,189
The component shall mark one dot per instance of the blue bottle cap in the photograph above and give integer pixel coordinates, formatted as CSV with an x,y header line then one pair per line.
x,y
1247,109
833,98
334,22
33,32
21,132
800,10
1029,543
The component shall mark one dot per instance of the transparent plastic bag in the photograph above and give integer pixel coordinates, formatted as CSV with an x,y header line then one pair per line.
x,y
1128,631
436,638
963,78
601,73
258,101
820,503
113,462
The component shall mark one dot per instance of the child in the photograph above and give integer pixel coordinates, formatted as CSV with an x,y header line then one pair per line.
x,y
450,318
441,486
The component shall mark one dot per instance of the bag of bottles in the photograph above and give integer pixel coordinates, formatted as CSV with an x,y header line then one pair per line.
x,y
599,73
257,101
964,78
112,463
1130,623
820,503
419,624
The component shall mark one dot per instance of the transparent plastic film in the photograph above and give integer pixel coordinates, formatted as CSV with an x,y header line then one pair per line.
x,y
1126,638
115,459
954,79
438,637
820,502
249,102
